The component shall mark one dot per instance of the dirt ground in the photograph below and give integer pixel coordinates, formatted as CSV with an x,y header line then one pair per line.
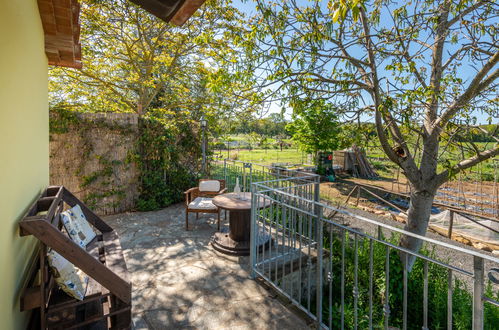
x,y
478,197
336,194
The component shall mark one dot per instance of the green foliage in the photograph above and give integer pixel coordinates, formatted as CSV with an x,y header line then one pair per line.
x,y
61,119
105,172
164,153
332,244
315,126
273,125
97,184
135,62
167,154
361,56
170,76
484,133
94,198
437,289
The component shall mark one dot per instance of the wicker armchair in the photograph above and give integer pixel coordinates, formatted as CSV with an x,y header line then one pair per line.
x,y
199,199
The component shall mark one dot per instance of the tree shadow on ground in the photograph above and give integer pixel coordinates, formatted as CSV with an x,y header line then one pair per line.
x,y
180,282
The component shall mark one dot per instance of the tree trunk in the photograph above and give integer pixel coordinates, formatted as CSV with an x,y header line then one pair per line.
x,y
418,218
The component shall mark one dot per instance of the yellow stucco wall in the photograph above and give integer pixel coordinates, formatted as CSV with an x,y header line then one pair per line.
x,y
24,143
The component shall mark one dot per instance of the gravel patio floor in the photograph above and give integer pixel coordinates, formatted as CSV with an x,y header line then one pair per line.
x,y
180,282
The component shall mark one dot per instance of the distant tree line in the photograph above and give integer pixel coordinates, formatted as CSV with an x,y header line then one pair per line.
x,y
273,125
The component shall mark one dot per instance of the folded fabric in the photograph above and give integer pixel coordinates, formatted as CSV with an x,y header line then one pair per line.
x,y
77,226
69,278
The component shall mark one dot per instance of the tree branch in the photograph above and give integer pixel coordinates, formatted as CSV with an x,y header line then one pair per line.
x,y
467,163
465,12
475,87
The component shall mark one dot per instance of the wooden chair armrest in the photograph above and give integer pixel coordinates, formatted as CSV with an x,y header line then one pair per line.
x,y
189,195
191,190
223,191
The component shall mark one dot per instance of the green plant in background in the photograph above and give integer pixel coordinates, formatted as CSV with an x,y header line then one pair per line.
x,y
437,289
167,156
315,126
98,185
420,94
61,119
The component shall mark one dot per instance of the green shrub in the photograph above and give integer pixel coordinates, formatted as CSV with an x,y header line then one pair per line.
x,y
437,290
162,153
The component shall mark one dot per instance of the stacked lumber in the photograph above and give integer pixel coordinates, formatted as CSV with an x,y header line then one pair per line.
x,y
355,161
364,168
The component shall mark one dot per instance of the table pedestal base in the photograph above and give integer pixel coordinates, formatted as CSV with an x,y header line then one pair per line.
x,y
222,242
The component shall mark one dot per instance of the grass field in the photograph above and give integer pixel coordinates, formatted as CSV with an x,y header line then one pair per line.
x,y
268,156
377,158
486,171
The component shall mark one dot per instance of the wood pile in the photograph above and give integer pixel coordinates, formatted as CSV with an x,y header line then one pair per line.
x,y
355,161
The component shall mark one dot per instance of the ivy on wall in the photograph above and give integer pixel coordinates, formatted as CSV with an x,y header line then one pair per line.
x,y
164,151
167,158
96,172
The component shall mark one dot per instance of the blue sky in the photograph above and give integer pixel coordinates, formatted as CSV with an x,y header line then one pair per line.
x,y
248,7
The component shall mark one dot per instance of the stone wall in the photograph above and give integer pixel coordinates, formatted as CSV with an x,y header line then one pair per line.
x,y
92,154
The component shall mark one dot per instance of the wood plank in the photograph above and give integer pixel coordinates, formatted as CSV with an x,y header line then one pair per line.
x,y
60,21
56,220
31,298
54,205
62,244
65,63
95,220
161,9
185,11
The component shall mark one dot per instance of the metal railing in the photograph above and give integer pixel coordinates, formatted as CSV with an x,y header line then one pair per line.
x,y
352,276
277,177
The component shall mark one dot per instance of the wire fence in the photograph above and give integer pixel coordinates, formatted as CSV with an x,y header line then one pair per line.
x,y
346,277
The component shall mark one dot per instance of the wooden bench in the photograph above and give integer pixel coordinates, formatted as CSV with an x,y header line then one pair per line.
x,y
107,303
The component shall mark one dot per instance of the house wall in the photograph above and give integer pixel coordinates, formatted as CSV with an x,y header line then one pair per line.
x,y
24,144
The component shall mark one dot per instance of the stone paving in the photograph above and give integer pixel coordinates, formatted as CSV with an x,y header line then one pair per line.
x,y
180,282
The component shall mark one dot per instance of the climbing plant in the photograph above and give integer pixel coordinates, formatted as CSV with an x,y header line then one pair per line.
x,y
167,156
86,154
163,148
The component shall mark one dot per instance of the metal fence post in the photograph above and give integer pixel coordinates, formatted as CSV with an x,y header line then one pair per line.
x,y
318,290
225,172
253,232
244,188
251,175
478,284
317,189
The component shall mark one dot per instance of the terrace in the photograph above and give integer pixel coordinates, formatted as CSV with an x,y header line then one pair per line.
x,y
324,267
180,281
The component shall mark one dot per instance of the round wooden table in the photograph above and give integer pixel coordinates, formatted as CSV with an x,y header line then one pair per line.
x,y
236,240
